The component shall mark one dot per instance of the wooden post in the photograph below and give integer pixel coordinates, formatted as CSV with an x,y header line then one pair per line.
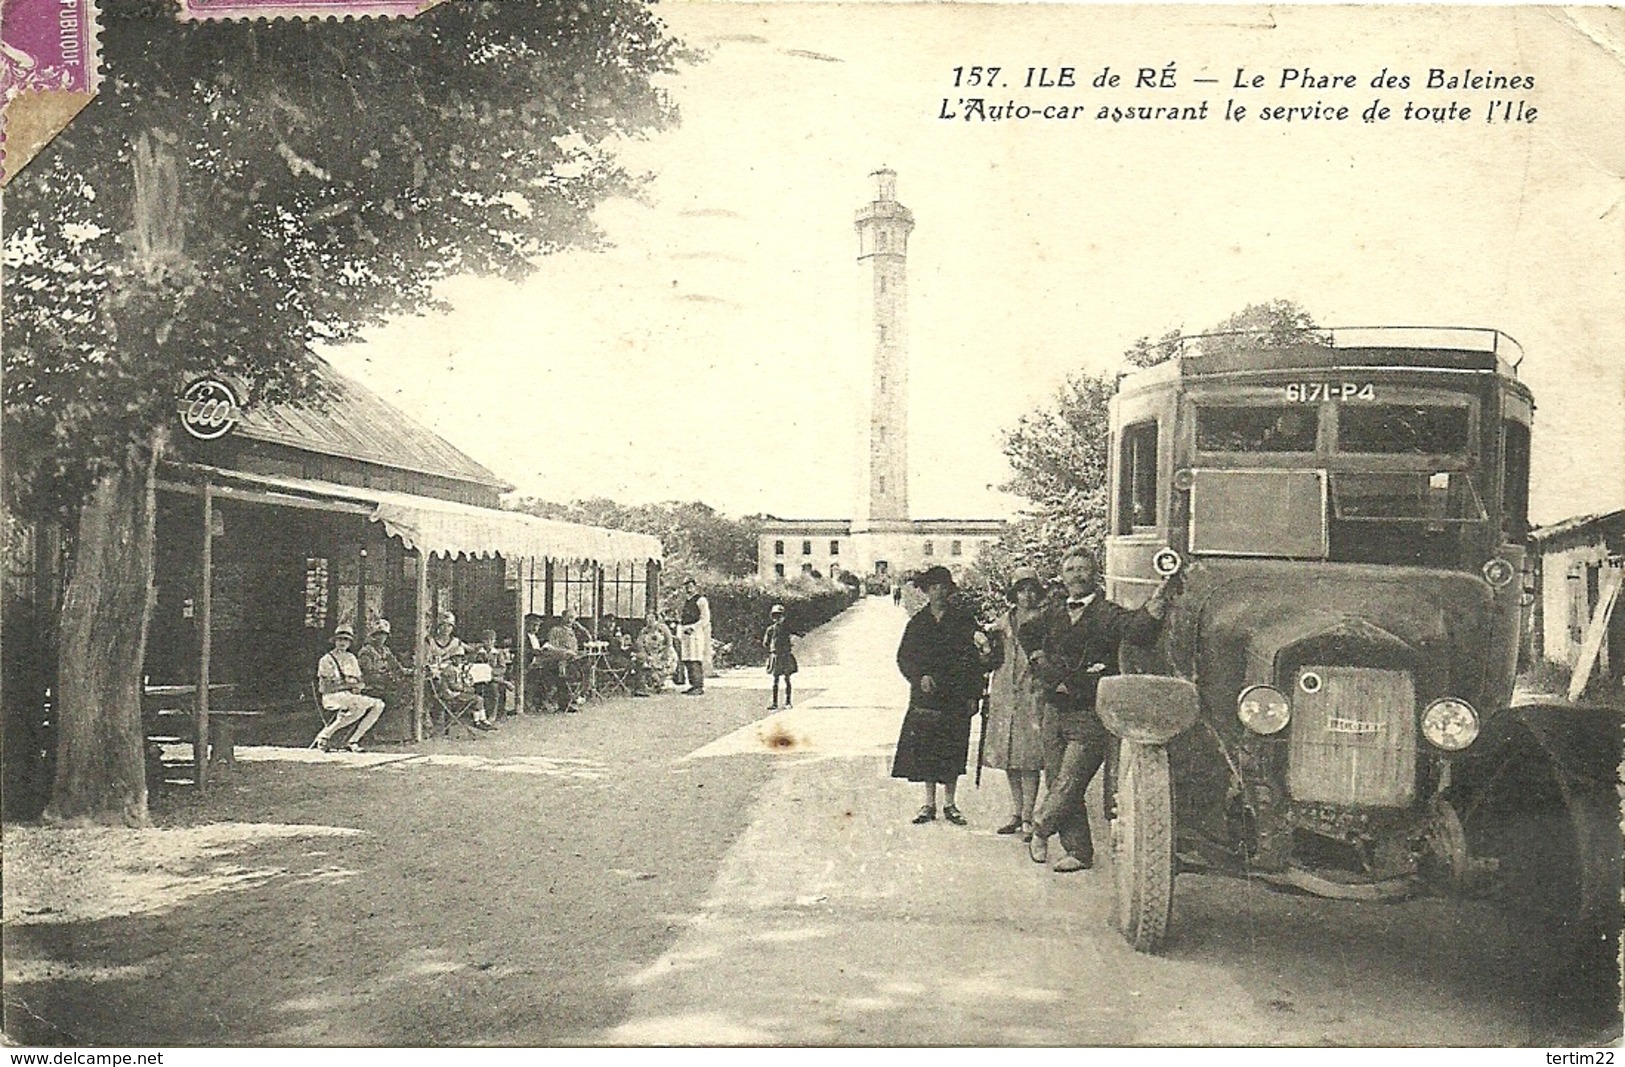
x,y
519,644
597,597
200,744
420,631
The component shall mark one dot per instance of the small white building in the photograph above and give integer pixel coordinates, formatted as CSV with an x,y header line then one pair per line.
x,y
1576,569
792,547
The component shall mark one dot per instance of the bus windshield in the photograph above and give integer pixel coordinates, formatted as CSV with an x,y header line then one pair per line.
x,y
1409,496
1402,429
1256,427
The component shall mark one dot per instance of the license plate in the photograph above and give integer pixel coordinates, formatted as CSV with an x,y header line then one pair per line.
x,y
1354,726
1315,392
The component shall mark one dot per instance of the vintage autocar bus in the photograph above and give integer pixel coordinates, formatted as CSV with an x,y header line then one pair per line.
x,y
1347,514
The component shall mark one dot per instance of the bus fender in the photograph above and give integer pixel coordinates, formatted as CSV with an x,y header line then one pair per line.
x,y
1540,792
1152,709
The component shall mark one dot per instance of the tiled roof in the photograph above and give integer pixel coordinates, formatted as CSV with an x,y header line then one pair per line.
x,y
1577,523
360,424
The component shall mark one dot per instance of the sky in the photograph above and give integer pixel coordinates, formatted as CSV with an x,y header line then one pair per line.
x,y
715,351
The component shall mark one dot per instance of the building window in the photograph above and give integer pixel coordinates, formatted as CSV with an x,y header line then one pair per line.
x,y
806,568
835,548
930,549
778,548
955,548
778,570
806,548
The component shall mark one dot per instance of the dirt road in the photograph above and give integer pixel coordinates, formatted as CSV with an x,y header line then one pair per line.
x,y
685,870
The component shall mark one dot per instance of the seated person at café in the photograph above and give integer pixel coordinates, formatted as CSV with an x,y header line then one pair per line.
x,y
338,677
498,692
451,684
534,667
583,629
655,656
442,642
617,642
558,653
382,674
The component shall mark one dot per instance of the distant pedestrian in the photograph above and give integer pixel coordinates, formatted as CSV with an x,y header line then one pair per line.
x,y
897,594
940,658
694,637
781,657
1015,738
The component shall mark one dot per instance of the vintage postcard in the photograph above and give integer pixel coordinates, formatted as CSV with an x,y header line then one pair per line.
x,y
797,524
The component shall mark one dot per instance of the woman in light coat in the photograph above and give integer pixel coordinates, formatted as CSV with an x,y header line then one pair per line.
x,y
1015,742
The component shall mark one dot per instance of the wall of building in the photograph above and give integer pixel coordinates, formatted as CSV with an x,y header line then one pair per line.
x,y
902,551
1570,580
827,550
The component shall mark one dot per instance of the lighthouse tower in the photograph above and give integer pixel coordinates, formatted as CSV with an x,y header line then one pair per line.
x,y
880,540
883,227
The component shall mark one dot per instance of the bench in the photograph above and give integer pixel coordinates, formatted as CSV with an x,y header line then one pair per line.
x,y
181,723
223,722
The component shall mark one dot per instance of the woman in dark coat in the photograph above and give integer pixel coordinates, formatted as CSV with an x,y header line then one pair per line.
x,y
943,662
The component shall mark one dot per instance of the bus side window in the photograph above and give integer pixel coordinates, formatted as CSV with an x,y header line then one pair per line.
x,y
1515,482
1137,502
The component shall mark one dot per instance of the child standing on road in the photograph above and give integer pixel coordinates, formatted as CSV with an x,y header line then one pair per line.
x,y
781,661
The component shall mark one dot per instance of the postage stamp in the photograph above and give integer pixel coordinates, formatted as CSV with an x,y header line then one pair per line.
x,y
302,9
49,69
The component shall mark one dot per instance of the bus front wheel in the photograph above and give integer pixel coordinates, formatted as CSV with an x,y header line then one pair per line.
x,y
1143,845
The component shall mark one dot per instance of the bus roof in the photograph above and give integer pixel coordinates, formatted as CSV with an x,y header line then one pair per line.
x,y
1362,347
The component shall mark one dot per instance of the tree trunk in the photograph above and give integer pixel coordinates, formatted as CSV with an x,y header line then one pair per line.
x,y
100,764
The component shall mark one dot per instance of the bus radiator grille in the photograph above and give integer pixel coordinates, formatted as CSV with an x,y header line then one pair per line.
x,y
1353,736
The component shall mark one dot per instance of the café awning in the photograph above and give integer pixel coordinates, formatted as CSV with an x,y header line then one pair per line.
x,y
444,528
438,527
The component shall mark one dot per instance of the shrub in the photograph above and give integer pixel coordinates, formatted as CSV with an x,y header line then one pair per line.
x,y
741,609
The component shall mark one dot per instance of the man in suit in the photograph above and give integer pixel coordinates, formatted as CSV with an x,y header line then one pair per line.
x,y
1077,641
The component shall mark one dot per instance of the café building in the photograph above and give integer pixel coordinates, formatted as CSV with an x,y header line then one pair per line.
x,y
278,522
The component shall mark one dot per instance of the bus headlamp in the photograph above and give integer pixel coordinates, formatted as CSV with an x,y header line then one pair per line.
x,y
1450,724
1263,709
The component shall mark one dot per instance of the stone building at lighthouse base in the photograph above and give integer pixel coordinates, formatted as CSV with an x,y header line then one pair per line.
x,y
790,548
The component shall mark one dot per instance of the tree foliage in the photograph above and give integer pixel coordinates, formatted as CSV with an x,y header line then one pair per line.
x,y
1058,454
240,189
696,539
1058,458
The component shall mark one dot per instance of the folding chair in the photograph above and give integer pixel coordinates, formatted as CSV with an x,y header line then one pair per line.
x,y
588,671
326,713
579,676
620,670
449,707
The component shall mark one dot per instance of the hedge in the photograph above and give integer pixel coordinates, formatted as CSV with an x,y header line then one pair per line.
x,y
741,609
